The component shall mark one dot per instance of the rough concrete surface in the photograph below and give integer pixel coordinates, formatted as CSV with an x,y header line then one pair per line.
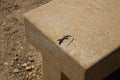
x,y
50,72
94,25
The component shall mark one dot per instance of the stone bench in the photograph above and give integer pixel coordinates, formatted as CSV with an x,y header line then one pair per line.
x,y
91,49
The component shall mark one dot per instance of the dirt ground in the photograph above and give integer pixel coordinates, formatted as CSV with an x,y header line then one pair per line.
x,y
19,60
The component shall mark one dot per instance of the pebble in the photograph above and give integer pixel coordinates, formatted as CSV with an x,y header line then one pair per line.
x,y
30,73
12,63
6,64
18,11
33,66
16,70
21,47
33,74
27,76
24,64
12,23
28,68
4,23
18,66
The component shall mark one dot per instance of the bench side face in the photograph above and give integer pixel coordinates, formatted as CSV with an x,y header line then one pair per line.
x,y
104,67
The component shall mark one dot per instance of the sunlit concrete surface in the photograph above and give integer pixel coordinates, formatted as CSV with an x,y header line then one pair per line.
x,y
93,51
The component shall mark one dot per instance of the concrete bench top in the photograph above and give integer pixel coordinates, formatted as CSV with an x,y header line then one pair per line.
x,y
94,25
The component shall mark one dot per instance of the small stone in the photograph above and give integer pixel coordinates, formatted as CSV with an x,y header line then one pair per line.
x,y
27,76
21,47
30,73
33,74
16,70
32,66
18,11
12,63
24,65
19,66
29,68
12,23
6,64
4,23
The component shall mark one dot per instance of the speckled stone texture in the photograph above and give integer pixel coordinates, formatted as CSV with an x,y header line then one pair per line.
x,y
50,72
95,26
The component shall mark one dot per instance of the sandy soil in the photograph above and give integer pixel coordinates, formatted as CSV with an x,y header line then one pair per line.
x,y
19,60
